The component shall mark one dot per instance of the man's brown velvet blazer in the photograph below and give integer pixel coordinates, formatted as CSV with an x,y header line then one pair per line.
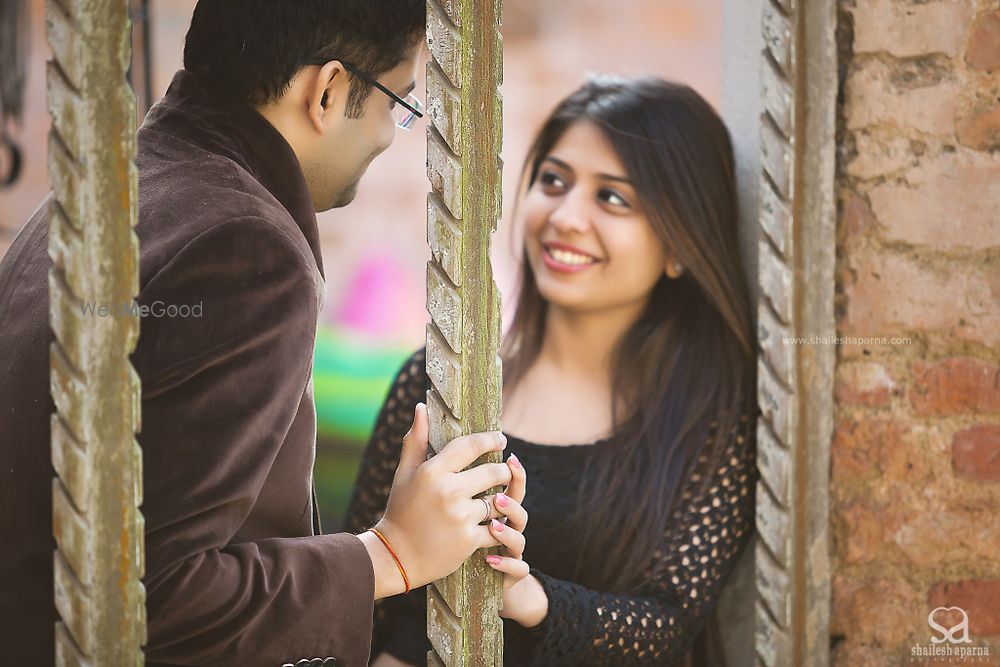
x,y
237,570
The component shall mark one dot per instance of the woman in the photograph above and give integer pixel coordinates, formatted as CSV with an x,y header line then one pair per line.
x,y
629,376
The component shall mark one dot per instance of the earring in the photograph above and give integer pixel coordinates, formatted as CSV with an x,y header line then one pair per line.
x,y
678,269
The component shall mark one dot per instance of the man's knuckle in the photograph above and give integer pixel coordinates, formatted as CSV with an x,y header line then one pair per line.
x,y
424,474
452,512
447,491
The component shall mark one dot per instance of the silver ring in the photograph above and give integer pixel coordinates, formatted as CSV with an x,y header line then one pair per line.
x,y
489,510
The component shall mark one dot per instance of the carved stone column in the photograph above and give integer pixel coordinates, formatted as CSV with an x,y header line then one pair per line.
x,y
463,339
797,217
96,521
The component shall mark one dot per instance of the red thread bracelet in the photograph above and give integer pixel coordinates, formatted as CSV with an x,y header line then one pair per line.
x,y
380,536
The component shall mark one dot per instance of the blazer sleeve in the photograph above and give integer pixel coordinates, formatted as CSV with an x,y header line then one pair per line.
x,y
220,392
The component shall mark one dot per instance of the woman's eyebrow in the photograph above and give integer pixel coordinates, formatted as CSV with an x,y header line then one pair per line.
x,y
607,177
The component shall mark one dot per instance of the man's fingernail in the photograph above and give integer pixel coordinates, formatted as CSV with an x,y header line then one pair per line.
x,y
514,461
493,560
502,500
497,526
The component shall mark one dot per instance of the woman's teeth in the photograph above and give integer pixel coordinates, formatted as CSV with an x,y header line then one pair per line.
x,y
571,258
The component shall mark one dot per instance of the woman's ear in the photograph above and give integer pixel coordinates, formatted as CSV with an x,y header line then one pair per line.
x,y
674,269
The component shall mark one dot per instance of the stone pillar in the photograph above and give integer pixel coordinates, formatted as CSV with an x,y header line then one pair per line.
x,y
463,338
795,327
97,525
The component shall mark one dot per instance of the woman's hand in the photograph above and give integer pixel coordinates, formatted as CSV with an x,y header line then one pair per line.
x,y
524,598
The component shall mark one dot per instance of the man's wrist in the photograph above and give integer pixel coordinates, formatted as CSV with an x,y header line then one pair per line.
x,y
388,579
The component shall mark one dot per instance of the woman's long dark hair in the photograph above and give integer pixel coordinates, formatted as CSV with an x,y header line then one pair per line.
x,y
684,372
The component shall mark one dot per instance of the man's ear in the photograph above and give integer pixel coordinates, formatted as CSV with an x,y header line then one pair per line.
x,y
325,93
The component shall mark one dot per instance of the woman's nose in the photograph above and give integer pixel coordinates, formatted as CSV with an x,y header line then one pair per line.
x,y
571,215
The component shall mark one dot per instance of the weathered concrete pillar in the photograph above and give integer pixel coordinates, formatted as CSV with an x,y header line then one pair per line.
x,y
463,339
795,264
97,525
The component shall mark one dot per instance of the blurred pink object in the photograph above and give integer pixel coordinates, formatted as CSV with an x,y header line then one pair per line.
x,y
381,299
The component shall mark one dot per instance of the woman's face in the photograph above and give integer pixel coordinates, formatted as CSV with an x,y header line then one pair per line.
x,y
589,244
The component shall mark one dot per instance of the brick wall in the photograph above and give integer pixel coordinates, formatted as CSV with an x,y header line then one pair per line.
x,y
916,454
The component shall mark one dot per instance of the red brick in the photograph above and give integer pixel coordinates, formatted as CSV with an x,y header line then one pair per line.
x,y
879,151
976,453
851,654
876,456
856,217
979,599
939,537
980,129
879,93
906,30
897,295
864,385
847,459
956,386
983,51
881,612
946,201
863,532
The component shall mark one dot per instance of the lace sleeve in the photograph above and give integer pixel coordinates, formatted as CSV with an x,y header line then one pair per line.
x,y
381,456
659,622
399,622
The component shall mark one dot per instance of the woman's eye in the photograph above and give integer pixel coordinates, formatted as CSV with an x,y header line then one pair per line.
x,y
550,179
613,198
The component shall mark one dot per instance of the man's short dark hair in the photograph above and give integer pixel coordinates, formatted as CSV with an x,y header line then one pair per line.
x,y
251,49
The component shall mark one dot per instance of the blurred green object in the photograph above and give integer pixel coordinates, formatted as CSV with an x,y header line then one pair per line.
x,y
351,376
335,471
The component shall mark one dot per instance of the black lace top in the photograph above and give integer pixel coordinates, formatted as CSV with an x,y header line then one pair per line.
x,y
654,625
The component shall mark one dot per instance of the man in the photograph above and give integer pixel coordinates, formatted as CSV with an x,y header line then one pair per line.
x,y
277,114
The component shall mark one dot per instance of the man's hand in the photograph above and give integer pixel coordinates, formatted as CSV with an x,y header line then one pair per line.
x,y
432,517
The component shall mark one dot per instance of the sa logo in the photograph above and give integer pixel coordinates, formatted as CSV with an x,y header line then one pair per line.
x,y
949,633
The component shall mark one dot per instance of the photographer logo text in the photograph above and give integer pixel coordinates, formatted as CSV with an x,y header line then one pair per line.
x,y
950,640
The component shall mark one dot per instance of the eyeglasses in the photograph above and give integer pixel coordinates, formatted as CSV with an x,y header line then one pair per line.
x,y
404,116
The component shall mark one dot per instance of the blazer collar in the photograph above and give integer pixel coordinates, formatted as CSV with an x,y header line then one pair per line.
x,y
226,126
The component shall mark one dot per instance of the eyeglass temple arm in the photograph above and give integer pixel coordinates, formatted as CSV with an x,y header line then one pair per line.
x,y
353,70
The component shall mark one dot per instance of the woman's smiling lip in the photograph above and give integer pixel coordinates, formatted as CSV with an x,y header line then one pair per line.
x,y
566,258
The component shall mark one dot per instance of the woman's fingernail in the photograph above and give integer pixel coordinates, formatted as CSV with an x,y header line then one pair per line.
x,y
503,439
497,526
502,500
514,461
493,560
